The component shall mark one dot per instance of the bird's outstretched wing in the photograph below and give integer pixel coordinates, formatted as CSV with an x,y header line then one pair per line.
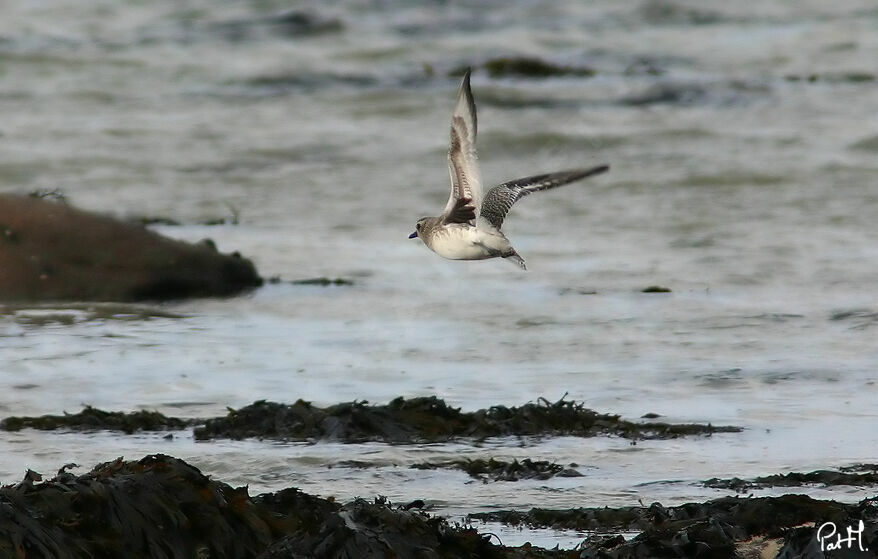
x,y
500,199
463,162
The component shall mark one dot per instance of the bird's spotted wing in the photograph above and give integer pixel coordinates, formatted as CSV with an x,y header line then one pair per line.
x,y
463,164
500,199
463,212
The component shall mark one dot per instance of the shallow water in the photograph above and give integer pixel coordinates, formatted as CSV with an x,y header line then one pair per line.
x,y
742,141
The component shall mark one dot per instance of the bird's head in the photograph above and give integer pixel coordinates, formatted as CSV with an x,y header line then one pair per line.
x,y
419,227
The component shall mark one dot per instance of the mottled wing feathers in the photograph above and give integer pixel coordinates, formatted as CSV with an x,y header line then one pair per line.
x,y
462,212
500,199
463,165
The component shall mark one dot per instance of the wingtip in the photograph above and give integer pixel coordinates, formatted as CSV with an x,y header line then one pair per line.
x,y
465,95
597,170
465,87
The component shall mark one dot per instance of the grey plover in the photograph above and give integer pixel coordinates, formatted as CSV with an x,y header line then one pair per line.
x,y
469,228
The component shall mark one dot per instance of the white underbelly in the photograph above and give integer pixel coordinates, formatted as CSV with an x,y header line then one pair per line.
x,y
469,243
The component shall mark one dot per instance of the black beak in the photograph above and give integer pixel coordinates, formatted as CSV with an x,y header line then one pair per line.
x,y
413,235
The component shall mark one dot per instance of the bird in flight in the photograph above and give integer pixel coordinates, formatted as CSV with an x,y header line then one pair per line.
x,y
469,228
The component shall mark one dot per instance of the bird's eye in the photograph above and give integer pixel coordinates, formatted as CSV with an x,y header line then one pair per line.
x,y
418,226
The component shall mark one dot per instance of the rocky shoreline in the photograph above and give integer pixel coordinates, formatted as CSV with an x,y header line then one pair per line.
x,y
161,507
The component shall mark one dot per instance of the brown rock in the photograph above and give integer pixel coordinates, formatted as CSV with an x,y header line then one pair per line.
x,y
50,251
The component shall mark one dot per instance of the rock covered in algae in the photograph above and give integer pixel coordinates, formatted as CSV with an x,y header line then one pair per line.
x,y
857,475
92,419
375,530
160,507
50,251
401,421
500,470
729,527
430,419
528,67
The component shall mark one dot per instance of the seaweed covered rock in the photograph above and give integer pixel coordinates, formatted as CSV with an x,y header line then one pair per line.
x,y
91,419
162,508
726,527
324,281
375,530
528,67
401,421
158,507
499,470
859,475
50,251
430,419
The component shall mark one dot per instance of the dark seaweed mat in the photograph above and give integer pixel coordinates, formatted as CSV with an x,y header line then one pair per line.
x,y
162,508
158,507
426,419
499,470
90,419
430,419
711,529
527,67
367,530
858,475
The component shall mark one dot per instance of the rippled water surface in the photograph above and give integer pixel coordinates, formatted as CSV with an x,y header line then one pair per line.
x,y
742,139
